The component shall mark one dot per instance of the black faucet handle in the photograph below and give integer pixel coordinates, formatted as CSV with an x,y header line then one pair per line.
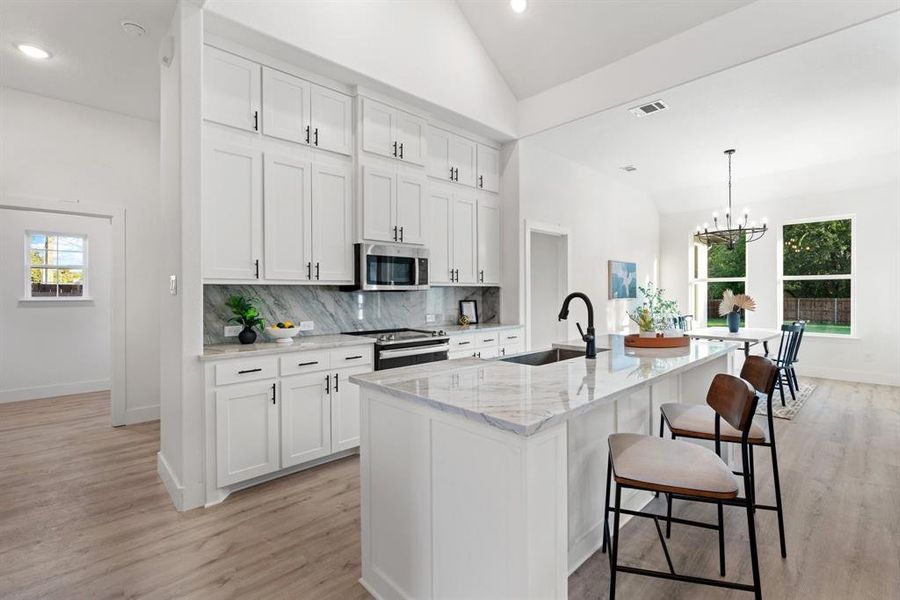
x,y
580,330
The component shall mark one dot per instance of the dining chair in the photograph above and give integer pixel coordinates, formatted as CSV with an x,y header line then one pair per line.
x,y
787,350
802,325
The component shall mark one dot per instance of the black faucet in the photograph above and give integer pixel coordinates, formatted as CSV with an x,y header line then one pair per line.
x,y
591,350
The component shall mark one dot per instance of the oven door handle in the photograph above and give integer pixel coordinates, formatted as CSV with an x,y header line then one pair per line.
x,y
403,352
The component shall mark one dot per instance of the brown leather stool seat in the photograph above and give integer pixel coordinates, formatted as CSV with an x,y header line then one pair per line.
x,y
670,466
699,421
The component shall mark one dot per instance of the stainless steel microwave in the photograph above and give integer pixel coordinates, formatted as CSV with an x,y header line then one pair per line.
x,y
382,267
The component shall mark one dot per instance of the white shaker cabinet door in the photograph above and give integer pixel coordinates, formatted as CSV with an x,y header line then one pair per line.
x,y
331,120
439,154
246,431
488,169
463,159
488,240
379,203
332,224
378,127
231,87
345,409
288,215
232,211
286,106
438,211
464,231
411,137
410,217
305,419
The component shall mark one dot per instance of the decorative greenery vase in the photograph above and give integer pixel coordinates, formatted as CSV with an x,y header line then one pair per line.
x,y
247,336
734,321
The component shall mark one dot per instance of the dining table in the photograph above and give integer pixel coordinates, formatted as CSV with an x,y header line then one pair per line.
x,y
748,336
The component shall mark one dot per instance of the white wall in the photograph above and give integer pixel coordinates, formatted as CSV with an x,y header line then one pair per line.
x,y
874,356
606,220
426,49
53,348
57,150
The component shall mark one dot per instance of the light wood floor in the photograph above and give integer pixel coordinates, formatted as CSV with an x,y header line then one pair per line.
x,y
83,515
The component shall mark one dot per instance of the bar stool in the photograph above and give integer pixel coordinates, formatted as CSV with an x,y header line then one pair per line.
x,y
689,472
698,422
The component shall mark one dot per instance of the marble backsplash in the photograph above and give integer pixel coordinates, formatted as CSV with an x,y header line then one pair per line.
x,y
335,310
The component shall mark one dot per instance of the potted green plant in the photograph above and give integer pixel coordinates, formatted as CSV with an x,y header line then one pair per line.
x,y
246,315
731,307
656,314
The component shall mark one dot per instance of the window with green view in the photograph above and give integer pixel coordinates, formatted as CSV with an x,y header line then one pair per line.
x,y
716,268
817,275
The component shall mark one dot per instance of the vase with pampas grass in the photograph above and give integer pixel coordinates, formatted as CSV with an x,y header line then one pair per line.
x,y
731,307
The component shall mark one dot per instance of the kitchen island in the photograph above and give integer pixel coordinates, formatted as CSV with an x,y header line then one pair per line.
x,y
485,479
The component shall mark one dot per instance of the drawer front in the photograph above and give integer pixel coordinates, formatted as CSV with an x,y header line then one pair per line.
x,y
510,349
248,369
461,354
462,342
351,357
487,339
512,336
304,362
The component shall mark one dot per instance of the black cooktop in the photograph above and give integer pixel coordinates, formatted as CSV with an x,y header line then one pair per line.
x,y
400,335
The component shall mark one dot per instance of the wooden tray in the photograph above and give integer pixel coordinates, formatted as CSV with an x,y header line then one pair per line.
x,y
636,341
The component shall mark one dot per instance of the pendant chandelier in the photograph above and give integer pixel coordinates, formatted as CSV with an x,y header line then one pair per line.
x,y
732,229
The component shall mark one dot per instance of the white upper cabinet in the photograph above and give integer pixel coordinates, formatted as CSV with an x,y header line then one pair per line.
x,y
232,211
488,240
439,154
288,218
332,224
388,131
463,237
488,171
331,119
286,105
462,159
410,200
231,87
438,213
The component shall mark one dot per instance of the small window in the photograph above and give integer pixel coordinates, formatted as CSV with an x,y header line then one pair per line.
x,y
716,269
817,275
56,266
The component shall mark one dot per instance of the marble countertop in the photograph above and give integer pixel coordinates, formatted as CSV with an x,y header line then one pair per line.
x,y
301,343
525,399
460,329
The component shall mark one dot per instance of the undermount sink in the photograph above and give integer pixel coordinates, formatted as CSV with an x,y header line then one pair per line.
x,y
544,357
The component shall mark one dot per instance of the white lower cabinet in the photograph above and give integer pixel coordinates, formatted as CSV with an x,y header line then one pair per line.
x,y
306,413
305,419
246,431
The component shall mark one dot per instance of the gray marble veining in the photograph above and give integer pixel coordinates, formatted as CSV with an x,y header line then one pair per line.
x,y
335,310
526,399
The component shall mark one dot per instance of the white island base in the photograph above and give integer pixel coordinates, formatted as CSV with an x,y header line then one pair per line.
x,y
463,505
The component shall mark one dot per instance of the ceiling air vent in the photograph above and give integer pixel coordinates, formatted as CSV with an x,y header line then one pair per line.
x,y
648,109
629,168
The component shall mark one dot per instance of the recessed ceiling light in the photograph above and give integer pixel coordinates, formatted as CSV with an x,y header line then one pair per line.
x,y
132,28
518,6
32,51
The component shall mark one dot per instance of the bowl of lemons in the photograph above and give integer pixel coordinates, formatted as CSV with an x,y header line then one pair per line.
x,y
283,332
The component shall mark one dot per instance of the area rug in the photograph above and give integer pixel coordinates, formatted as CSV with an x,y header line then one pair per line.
x,y
792,406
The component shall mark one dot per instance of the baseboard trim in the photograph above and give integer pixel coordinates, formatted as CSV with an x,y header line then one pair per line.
x,y
848,375
50,391
173,485
141,415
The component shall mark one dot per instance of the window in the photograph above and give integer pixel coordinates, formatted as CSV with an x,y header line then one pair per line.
x,y
56,266
715,269
817,275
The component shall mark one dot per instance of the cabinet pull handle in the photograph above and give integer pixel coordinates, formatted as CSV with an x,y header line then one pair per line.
x,y
307,134
273,393
309,270
317,271
395,149
401,234
316,133
306,364
328,384
401,150
512,337
249,371
353,357
503,351
481,181
481,276
463,343
457,276
395,233
256,264
457,173
336,389
255,120
451,173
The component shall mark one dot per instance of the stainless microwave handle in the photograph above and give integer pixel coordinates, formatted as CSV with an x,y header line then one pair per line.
x,y
403,352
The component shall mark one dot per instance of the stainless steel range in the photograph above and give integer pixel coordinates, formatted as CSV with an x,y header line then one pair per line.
x,y
404,347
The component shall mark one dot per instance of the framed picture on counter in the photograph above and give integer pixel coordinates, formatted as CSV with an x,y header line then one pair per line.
x,y
622,279
469,309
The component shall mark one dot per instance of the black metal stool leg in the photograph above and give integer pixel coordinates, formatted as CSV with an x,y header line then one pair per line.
x,y
669,516
778,507
790,382
751,532
606,505
751,491
721,542
781,387
614,554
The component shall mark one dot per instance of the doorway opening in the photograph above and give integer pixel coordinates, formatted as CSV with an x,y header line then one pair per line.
x,y
547,283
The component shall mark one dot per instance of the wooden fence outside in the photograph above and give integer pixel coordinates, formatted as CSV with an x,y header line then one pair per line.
x,y
835,311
